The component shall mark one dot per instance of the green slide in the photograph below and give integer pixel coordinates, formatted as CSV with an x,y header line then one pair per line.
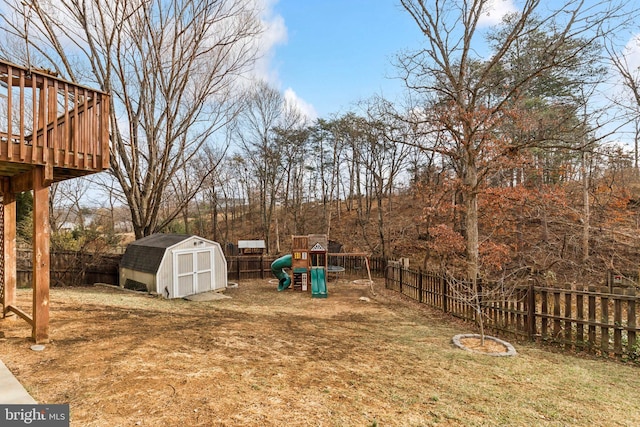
x,y
318,282
277,269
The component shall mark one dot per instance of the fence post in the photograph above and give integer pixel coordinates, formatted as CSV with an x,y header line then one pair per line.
x,y
580,341
557,328
631,321
568,332
617,321
401,269
604,321
420,299
591,306
238,267
386,277
531,311
261,267
444,286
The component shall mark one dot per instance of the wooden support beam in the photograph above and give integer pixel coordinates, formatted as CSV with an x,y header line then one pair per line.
x,y
104,130
47,176
25,181
21,183
25,316
41,277
9,114
9,249
354,254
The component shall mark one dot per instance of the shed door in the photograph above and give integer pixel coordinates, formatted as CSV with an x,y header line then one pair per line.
x,y
204,271
193,271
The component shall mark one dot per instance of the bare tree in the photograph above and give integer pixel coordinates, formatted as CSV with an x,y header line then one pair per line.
x,y
262,130
296,152
170,65
67,209
466,96
386,161
630,79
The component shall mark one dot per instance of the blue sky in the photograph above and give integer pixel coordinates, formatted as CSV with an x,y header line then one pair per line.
x,y
329,54
337,52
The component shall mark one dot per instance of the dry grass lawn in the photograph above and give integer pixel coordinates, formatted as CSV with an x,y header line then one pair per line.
x,y
268,358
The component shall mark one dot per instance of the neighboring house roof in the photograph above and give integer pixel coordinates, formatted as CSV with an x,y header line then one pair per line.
x,y
146,254
251,244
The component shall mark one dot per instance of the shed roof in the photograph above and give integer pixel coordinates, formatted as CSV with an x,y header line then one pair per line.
x,y
146,254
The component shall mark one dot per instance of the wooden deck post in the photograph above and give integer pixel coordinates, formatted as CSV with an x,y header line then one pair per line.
x,y
53,130
40,332
9,248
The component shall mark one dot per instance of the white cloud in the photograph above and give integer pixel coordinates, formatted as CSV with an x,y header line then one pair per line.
x,y
304,107
275,34
632,52
629,57
616,91
495,10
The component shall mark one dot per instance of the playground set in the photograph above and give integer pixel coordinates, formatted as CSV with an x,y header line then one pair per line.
x,y
308,263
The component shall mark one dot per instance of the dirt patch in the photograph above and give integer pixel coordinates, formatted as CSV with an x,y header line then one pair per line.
x,y
262,357
488,346
269,358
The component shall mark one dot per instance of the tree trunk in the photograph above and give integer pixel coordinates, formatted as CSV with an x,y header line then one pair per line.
x,y
471,217
185,218
277,236
214,216
383,242
586,208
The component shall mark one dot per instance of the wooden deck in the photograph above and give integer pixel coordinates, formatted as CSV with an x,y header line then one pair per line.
x,y
50,130
53,123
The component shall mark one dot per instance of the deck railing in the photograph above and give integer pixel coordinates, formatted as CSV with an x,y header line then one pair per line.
x,y
48,121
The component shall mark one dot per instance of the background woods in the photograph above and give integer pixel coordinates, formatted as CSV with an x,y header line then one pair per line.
x,y
503,159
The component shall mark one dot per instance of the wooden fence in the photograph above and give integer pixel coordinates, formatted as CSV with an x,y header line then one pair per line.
x,y
259,267
594,320
72,268
249,267
355,264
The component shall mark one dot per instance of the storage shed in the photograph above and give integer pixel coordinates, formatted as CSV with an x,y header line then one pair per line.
x,y
174,265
